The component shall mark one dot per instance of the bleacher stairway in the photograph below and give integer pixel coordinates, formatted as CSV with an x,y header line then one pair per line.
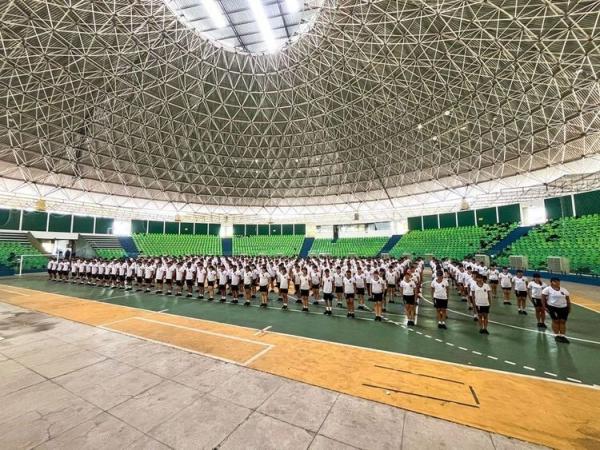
x,y
306,246
129,246
227,246
511,237
389,245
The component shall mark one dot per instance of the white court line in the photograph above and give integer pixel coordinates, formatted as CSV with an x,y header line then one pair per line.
x,y
116,296
519,328
14,292
492,357
529,368
385,352
264,330
477,353
574,380
512,363
551,374
463,348
258,355
586,307
163,310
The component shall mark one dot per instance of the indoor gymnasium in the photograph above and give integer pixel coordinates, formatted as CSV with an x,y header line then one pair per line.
x,y
299,224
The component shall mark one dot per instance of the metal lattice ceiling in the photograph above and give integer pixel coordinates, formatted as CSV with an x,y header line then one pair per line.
x,y
119,97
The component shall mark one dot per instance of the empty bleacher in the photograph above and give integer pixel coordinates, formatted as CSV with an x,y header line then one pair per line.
x,y
177,244
575,238
456,243
362,247
105,246
15,244
287,245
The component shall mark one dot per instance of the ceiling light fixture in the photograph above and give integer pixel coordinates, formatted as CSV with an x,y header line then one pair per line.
x,y
293,6
263,24
215,12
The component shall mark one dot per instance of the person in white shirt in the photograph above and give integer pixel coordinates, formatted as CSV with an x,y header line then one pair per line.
x,y
49,268
129,272
315,281
493,280
247,285
139,275
378,288
283,278
520,283
327,283
506,284
535,288
338,282
263,286
159,277
482,295
149,269
409,294
349,291
304,288
223,276
360,281
211,278
236,277
557,302
190,275
439,293
200,278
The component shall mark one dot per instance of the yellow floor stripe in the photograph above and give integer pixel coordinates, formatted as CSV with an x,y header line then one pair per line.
x,y
556,414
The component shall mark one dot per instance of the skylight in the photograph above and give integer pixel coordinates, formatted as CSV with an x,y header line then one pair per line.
x,y
248,26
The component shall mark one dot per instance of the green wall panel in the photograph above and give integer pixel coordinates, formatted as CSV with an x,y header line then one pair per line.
x,y
287,229
300,228
448,220
171,227
186,228
466,218
9,219
558,207
239,229
139,226
414,223
509,213
60,223
155,226
83,224
214,229
263,230
103,225
486,216
587,203
275,230
201,228
34,221
430,222
251,229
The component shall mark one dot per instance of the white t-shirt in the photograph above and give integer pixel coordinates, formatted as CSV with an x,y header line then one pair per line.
x,y
304,285
520,284
439,289
359,279
505,279
556,298
493,275
377,285
536,289
349,285
408,287
284,281
327,284
480,294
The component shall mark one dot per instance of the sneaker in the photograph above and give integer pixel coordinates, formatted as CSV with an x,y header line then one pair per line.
x,y
352,315
189,295
439,325
444,327
222,300
392,301
178,294
475,318
298,301
507,303
361,307
564,340
410,323
234,301
340,305
304,309
485,331
348,315
524,312
316,302
384,310
326,312
246,303
481,331
284,307
543,326
279,299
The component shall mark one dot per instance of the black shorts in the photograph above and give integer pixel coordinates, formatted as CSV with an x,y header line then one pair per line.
x,y
283,290
129,279
296,288
391,285
316,286
537,302
360,291
235,287
263,288
304,292
122,277
493,281
505,288
179,282
139,279
189,283
222,286
378,297
328,297
350,296
158,280
339,289
409,299
558,313
440,303
521,294
211,283
169,281
148,280
483,309
114,276
247,287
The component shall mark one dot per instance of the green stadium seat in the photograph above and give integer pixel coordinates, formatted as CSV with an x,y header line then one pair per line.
x,y
177,244
288,245
343,247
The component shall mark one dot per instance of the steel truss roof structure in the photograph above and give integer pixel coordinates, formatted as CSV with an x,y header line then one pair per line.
x,y
380,103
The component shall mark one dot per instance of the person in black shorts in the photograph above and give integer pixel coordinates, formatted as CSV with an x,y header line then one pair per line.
x,y
557,302
377,290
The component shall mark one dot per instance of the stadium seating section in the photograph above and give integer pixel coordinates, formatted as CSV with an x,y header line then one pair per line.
x,y
267,245
13,245
575,238
177,244
110,253
455,243
362,247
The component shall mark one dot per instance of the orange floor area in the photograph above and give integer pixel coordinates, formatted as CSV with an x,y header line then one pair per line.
x,y
555,414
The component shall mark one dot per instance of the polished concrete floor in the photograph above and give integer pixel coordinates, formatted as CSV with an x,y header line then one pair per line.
x,y
71,386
